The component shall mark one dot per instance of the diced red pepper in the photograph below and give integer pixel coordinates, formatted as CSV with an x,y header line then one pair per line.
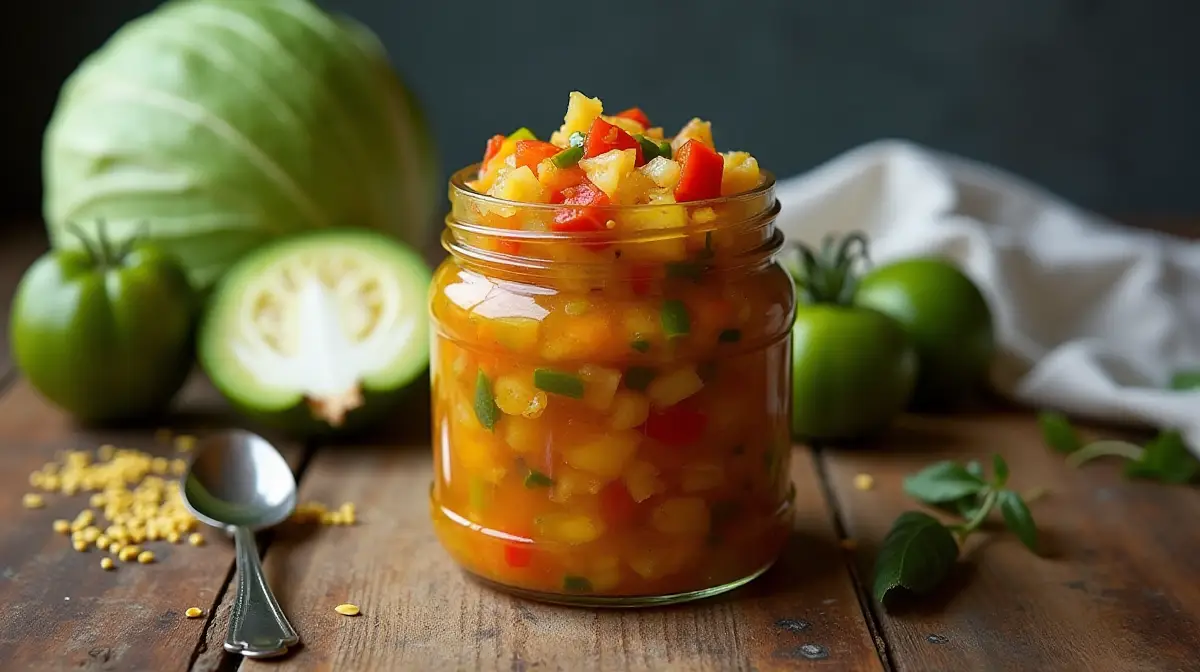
x,y
700,171
636,114
604,137
640,279
493,148
617,507
678,425
532,152
582,219
517,555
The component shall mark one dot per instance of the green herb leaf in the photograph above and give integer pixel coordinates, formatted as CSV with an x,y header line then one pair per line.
x,y
730,336
537,479
486,410
676,321
567,157
576,584
917,555
1186,380
577,139
639,377
1165,459
641,345
943,482
999,471
1058,432
558,382
1018,519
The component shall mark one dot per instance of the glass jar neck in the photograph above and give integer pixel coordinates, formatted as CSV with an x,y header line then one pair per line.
x,y
533,239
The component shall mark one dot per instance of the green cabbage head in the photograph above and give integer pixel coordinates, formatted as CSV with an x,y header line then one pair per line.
x,y
213,126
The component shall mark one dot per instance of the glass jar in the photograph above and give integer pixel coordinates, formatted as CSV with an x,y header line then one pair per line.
x,y
611,411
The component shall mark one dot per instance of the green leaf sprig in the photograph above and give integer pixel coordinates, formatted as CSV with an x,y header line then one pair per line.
x,y
1165,458
920,551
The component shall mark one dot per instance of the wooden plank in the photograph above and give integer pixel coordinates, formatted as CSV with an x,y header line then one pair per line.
x,y
1116,589
18,249
420,613
61,609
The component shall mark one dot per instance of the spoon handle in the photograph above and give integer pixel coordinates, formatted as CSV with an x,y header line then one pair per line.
x,y
257,626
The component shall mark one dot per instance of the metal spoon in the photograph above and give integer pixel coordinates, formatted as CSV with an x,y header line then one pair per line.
x,y
240,483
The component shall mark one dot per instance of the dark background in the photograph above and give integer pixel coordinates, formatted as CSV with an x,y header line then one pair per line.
x,y
1099,100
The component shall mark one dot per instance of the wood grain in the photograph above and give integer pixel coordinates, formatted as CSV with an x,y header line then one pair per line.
x,y
420,613
62,611
18,249
1115,590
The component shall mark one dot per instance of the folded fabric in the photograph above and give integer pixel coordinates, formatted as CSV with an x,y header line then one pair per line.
x,y
1091,318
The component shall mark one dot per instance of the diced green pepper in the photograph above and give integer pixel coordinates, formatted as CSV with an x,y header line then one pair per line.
x,y
675,319
639,377
537,479
649,148
576,584
522,134
486,410
730,336
577,139
664,149
641,345
567,157
557,382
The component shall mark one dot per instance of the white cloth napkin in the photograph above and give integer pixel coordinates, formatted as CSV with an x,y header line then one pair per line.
x,y
1091,318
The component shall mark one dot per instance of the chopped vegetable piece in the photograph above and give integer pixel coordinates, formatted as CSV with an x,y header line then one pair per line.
x,y
576,584
568,157
532,152
700,172
675,319
604,137
650,148
635,114
640,345
517,556
605,455
629,409
537,479
664,149
678,425
730,336
639,377
577,139
558,382
581,219
493,148
521,134
486,410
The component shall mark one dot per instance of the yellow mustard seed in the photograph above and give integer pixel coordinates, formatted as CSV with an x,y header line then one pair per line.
x,y
864,482
185,443
129,553
81,545
36,480
196,539
97,501
347,609
33,500
145,557
62,526
115,548
106,452
91,534
194,612
173,537
103,542
159,465
107,563
178,467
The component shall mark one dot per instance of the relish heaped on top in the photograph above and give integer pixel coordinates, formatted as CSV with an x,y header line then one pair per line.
x,y
598,160
611,390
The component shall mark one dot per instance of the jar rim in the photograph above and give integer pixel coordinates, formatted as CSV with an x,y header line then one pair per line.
x,y
458,187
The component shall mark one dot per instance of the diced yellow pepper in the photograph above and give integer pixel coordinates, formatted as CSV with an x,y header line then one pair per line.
x,y
605,455
610,169
701,476
655,560
683,516
740,173
516,395
695,129
581,112
569,528
582,336
599,386
523,436
570,482
634,189
629,409
515,333
662,171
478,455
671,218
630,126
674,386
519,184
642,323
642,481
604,572
654,133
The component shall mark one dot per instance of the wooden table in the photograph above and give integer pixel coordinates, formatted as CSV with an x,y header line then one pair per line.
x,y
1116,590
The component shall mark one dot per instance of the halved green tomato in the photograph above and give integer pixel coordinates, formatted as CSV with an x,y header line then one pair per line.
x,y
319,332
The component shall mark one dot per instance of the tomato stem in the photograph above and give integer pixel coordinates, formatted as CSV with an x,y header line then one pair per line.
x,y
100,250
830,276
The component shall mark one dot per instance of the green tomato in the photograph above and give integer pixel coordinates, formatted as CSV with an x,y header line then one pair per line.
x,y
106,335
947,320
852,372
